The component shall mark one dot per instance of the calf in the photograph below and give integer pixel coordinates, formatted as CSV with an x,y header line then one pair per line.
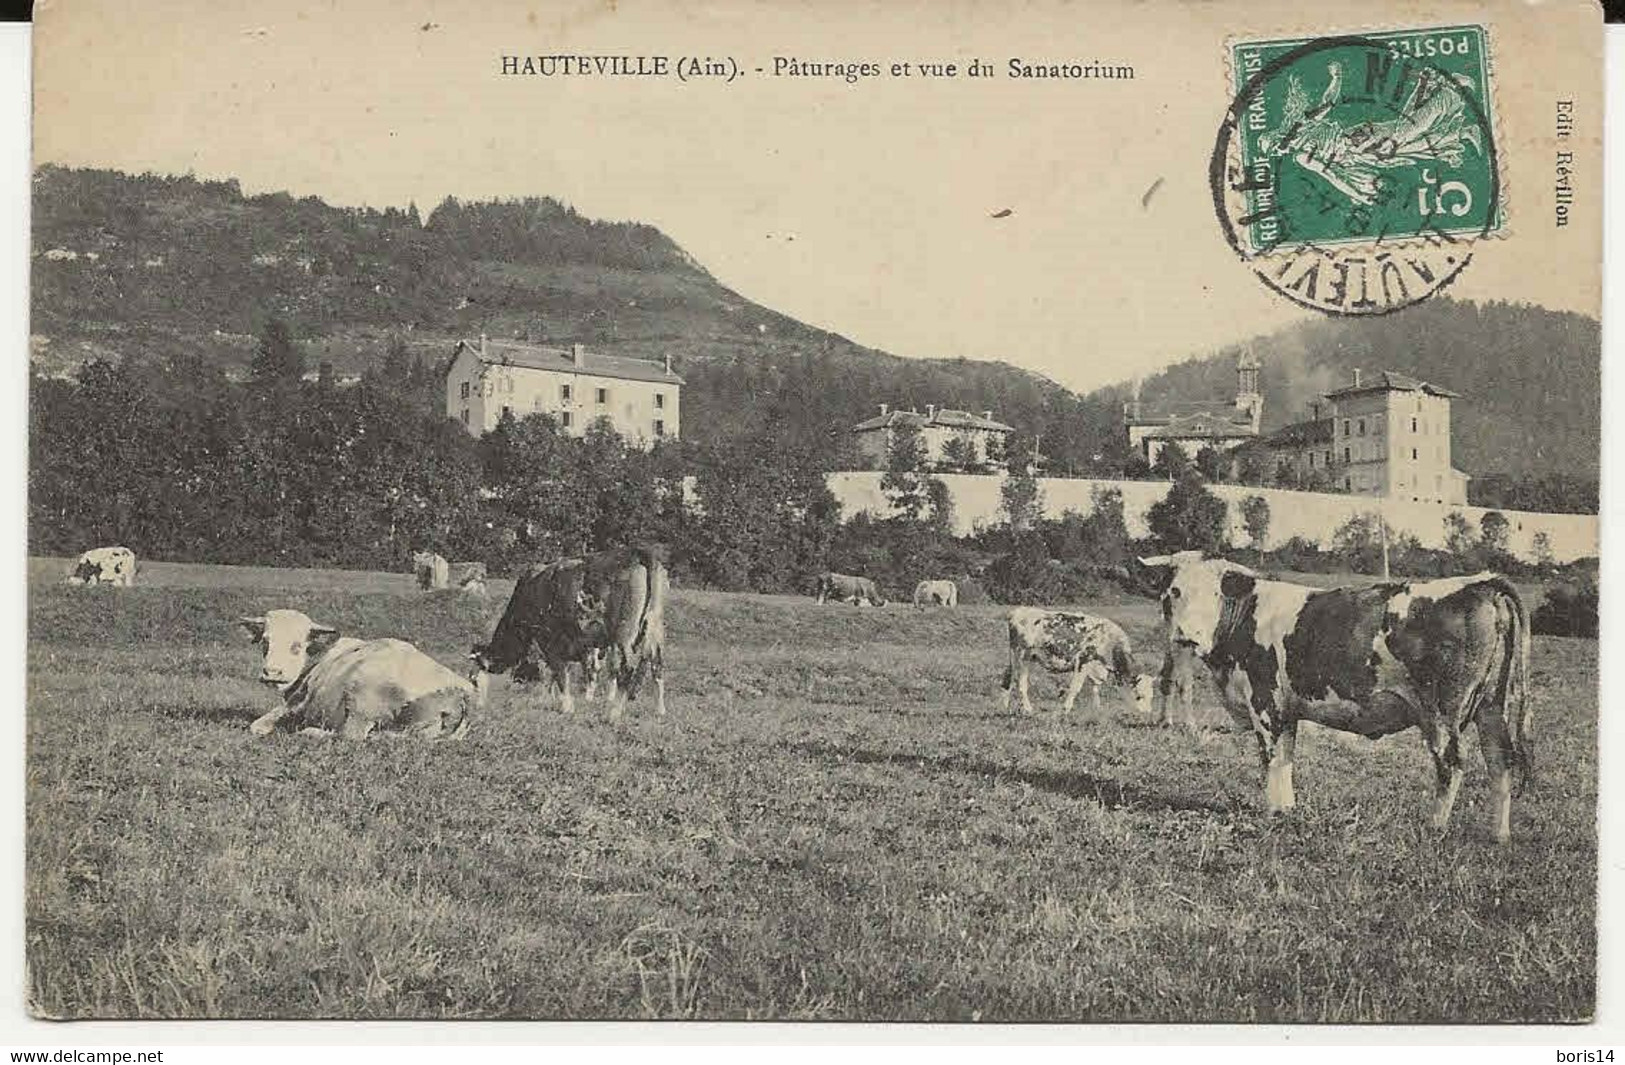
x,y
333,683
1433,655
1090,648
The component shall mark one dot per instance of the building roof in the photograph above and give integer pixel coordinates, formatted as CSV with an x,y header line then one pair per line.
x,y
946,418
1170,413
1301,434
1200,425
562,360
1389,381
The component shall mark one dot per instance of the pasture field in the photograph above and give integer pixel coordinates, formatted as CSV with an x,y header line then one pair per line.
x,y
836,821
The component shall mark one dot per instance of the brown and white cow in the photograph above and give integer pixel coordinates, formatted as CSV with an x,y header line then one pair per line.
x,y
104,565
936,593
348,686
1434,655
1092,649
848,589
605,612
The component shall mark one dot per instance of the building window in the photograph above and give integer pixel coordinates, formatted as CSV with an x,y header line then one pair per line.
x,y
566,419
464,394
603,395
507,411
660,427
1311,460
564,393
465,412
1348,485
1328,458
1362,426
1345,427
1413,425
660,401
1345,454
1413,454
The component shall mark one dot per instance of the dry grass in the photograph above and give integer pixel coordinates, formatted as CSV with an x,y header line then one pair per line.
x,y
835,822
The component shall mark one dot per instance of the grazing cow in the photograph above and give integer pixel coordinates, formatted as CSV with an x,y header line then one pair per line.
x,y
605,611
467,577
936,593
1090,648
1435,655
104,565
432,571
848,589
333,683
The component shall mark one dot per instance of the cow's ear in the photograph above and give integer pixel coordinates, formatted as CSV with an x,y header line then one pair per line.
x,y
1153,561
321,637
254,627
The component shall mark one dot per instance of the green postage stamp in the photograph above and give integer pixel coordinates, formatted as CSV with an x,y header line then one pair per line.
x,y
1339,152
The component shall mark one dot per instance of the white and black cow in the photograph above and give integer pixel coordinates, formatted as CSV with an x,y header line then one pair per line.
x,y
605,612
1435,655
1092,649
340,684
104,565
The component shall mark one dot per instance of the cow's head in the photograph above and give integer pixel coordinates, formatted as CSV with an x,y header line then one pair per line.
x,y
290,642
1193,591
85,572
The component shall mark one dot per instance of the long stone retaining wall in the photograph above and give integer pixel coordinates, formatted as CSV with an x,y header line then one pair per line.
x,y
1315,516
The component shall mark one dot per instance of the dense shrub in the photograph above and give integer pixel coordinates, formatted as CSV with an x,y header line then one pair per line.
x,y
1569,609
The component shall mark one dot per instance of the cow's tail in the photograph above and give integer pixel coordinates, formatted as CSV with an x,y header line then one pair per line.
x,y
1514,683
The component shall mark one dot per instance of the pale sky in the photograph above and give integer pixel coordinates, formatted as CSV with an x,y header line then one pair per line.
x,y
887,185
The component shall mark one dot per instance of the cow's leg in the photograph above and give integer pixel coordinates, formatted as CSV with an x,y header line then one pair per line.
x,y
1021,684
1278,793
1496,741
560,672
657,674
1074,686
267,723
1444,744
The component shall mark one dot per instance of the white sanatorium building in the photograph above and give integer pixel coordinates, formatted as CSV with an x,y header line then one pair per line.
x,y
577,387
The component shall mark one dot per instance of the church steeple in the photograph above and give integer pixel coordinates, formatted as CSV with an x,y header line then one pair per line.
x,y
1248,398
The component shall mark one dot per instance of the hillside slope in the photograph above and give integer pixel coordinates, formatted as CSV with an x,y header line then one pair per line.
x,y
1529,378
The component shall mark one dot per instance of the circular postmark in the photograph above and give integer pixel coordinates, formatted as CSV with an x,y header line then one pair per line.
x,y
1354,175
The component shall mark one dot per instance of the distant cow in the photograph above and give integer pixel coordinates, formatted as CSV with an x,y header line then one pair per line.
x,y
848,589
350,686
1435,655
605,611
466,577
432,571
1092,649
936,593
104,565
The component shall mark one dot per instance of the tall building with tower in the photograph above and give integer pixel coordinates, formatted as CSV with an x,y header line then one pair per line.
x,y
1192,426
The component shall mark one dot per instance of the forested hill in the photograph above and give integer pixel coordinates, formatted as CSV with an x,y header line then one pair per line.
x,y
1530,379
175,269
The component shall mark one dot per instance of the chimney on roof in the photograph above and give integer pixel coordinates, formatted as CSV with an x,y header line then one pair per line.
x,y
578,355
1356,377
668,362
885,408
930,410
1314,410
482,345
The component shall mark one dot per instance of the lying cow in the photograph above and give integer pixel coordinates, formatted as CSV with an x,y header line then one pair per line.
x,y
605,612
433,572
333,683
936,593
466,577
104,565
1092,649
848,589
1435,655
